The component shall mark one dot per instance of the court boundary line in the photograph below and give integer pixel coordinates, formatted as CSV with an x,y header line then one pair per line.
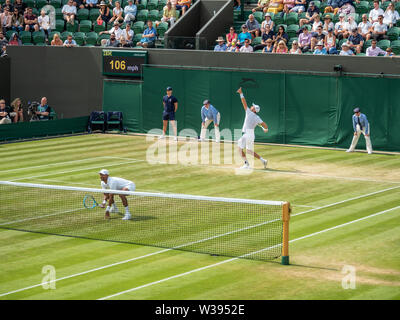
x,y
224,167
236,258
170,249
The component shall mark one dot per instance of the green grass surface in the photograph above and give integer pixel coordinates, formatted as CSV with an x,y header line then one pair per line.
x,y
308,178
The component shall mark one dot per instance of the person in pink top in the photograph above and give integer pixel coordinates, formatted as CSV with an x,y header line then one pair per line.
x,y
305,40
232,35
373,50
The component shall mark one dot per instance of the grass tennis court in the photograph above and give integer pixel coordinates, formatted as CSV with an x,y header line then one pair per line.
x,y
345,212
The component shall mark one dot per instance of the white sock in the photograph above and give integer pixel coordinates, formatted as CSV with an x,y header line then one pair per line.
x,y
261,159
127,210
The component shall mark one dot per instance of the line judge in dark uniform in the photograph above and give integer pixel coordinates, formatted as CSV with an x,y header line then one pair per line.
x,y
170,104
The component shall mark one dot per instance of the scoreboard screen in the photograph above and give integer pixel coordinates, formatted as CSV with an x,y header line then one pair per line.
x,y
125,63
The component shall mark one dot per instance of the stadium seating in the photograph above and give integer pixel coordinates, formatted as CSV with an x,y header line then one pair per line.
x,y
25,37
41,3
142,15
383,44
55,3
393,33
142,5
152,4
82,14
138,27
161,29
91,38
395,45
153,15
85,26
38,37
79,38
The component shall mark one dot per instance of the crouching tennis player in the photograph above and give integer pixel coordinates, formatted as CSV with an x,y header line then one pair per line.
x,y
246,142
114,183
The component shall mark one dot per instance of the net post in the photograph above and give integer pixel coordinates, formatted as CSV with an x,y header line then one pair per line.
x,y
285,236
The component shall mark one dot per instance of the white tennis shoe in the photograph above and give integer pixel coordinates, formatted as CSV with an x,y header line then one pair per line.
x,y
264,162
245,166
161,137
127,216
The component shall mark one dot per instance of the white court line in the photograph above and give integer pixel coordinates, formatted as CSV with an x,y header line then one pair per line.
x,y
50,164
69,171
267,171
169,249
236,258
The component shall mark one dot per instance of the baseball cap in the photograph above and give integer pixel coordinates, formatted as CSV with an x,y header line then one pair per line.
x,y
341,15
206,101
356,110
256,107
169,88
104,171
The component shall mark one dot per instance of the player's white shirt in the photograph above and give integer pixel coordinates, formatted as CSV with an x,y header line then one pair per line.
x,y
251,121
115,183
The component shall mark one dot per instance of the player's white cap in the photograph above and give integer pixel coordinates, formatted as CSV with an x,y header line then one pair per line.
x,y
256,107
104,171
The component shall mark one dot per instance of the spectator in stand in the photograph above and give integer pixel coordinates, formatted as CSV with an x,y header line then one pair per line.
x,y
112,42
312,9
347,8
389,52
330,42
69,42
379,29
8,5
317,23
390,16
332,6
79,4
275,5
375,12
116,30
328,24
346,50
169,14
20,6
3,40
128,34
253,26
130,11
148,37
305,40
3,51
373,50
6,20
56,40
246,47
364,27
4,113
320,49
17,21
281,35
288,5
17,112
317,37
220,46
299,6
236,4
117,13
91,4
281,47
356,41
183,5
349,26
69,12
43,110
262,5
269,47
267,34
123,43
44,23
267,21
14,40
104,13
340,27
245,34
232,35
295,48
233,47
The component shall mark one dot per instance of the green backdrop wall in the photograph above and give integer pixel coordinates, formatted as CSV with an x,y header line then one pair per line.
x,y
300,109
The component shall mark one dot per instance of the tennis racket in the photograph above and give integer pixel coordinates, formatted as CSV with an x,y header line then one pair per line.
x,y
89,202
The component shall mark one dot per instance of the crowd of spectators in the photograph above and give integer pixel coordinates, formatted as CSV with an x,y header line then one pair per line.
x,y
317,33
18,17
17,112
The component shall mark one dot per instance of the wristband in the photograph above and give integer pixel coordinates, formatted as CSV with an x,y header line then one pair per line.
x,y
241,96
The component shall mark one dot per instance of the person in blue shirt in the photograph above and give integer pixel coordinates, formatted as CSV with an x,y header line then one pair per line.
x,y
221,46
320,48
148,37
130,11
360,125
170,104
43,110
245,34
209,114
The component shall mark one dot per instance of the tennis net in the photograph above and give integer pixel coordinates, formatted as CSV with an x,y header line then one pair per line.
x,y
242,228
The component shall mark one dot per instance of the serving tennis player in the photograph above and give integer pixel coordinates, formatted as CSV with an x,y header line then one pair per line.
x,y
246,142
115,183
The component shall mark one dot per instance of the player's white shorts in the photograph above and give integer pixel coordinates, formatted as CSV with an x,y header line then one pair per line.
x,y
131,187
246,141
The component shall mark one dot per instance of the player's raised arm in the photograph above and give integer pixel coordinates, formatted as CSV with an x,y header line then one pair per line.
x,y
244,103
264,126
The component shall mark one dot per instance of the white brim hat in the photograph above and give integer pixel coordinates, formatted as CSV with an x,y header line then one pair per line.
x,y
104,171
256,107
